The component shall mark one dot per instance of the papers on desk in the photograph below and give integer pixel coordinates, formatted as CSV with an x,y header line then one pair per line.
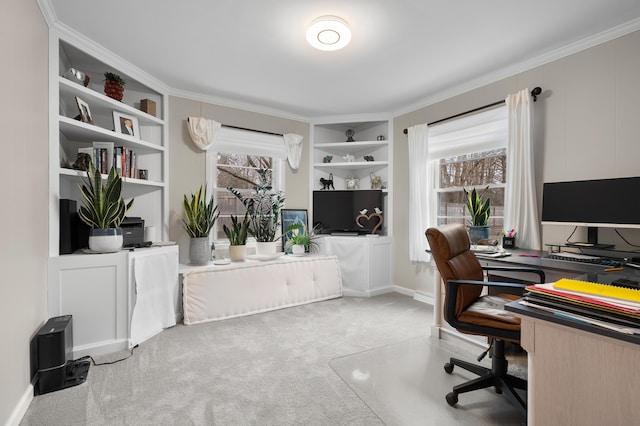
x,y
490,252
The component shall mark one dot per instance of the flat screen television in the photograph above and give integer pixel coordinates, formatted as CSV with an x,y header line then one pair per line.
x,y
335,211
613,203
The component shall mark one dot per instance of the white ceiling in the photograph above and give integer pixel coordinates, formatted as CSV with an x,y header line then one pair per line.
x,y
403,53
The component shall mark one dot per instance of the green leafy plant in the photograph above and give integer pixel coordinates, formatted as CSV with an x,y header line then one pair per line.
x,y
200,214
298,234
263,206
103,206
479,209
238,232
109,76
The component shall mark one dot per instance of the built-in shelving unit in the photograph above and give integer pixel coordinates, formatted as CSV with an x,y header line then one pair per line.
x,y
68,133
353,164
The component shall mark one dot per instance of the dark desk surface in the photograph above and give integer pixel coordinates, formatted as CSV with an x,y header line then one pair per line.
x,y
527,311
521,257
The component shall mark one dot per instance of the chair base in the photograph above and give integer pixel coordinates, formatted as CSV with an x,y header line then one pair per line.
x,y
496,376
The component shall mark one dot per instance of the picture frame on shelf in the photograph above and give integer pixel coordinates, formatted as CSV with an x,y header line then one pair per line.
x,y
289,217
125,124
85,111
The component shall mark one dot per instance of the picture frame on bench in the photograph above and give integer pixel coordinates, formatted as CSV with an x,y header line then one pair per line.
x,y
289,217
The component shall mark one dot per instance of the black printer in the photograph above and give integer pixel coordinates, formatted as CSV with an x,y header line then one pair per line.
x,y
133,232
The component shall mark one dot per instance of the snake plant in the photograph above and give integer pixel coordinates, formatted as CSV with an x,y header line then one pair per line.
x,y
238,232
200,214
103,206
479,209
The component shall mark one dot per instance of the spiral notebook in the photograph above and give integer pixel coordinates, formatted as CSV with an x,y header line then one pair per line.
x,y
597,289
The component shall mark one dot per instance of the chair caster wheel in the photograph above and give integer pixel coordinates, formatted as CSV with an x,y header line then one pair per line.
x,y
448,367
498,390
452,399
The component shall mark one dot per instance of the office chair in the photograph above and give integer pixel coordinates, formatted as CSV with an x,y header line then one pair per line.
x,y
469,310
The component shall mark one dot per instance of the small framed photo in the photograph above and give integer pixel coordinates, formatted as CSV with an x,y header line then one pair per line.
x,y
85,112
289,217
126,124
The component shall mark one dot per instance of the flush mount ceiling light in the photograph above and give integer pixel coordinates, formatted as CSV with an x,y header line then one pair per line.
x,y
328,33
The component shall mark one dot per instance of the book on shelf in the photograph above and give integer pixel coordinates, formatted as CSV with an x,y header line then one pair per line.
x,y
105,150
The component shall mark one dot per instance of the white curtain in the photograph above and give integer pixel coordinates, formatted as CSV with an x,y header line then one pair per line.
x,y
419,183
203,131
293,143
520,204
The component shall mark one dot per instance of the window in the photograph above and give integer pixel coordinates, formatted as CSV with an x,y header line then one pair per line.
x,y
233,161
465,153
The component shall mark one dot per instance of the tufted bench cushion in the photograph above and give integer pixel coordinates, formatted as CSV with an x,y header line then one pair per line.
x,y
244,288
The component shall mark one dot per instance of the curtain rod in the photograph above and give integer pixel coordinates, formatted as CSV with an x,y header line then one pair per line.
x,y
252,130
534,94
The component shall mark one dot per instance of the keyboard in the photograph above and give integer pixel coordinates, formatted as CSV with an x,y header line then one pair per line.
x,y
585,258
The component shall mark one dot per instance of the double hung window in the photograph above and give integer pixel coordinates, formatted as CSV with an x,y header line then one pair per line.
x,y
465,153
233,161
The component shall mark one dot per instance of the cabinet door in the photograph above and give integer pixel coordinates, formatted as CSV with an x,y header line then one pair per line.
x,y
93,289
353,256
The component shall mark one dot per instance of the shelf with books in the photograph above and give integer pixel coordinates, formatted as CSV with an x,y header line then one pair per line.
x,y
83,118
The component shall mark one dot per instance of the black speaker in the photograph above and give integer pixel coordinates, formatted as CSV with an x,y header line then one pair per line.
x,y
68,225
74,233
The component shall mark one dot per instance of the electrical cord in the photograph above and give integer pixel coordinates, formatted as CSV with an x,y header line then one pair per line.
x,y
624,239
569,237
109,362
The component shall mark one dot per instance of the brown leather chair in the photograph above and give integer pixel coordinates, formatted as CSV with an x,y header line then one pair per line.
x,y
471,312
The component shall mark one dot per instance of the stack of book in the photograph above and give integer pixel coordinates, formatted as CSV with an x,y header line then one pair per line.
x,y
615,306
105,154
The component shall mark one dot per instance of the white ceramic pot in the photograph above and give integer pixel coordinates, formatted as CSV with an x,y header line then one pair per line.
x,y
238,253
107,240
268,247
297,249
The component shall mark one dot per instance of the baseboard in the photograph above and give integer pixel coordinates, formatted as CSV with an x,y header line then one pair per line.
x,y
367,293
21,408
416,295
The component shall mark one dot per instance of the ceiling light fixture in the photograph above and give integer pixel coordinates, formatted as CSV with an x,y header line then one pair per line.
x,y
328,33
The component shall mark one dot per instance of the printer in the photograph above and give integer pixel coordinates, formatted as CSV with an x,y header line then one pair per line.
x,y
132,232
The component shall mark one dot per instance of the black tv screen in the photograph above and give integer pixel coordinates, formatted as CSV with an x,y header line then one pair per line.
x,y
335,211
601,202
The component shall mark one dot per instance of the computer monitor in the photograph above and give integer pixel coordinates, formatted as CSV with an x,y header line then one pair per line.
x,y
613,203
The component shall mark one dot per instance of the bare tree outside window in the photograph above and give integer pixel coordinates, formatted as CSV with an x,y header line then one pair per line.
x,y
235,171
472,170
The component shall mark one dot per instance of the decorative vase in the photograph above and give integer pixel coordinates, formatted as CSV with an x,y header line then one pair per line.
x,y
114,90
108,240
265,247
238,253
199,251
477,233
297,249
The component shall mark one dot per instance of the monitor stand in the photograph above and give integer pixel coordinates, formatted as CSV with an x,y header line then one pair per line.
x,y
592,240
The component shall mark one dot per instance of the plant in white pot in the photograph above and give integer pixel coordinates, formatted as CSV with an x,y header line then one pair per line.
x,y
479,209
237,234
263,205
103,209
299,239
200,216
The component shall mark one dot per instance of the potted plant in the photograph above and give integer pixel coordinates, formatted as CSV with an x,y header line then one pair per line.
x,y
299,239
200,216
103,209
237,235
479,209
263,207
114,86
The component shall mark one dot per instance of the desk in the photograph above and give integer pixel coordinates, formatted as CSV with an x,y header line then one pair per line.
x,y
579,374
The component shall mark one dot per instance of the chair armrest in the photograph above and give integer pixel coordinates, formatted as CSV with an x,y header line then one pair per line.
x,y
526,269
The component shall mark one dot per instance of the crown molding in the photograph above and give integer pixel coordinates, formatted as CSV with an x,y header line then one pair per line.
x,y
48,12
562,52
231,103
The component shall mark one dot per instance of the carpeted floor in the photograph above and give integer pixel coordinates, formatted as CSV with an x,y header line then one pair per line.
x,y
266,369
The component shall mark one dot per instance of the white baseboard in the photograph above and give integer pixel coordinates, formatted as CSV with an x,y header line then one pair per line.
x,y
21,408
367,293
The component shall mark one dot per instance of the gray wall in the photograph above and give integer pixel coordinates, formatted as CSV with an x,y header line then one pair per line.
x,y
187,163
24,192
587,123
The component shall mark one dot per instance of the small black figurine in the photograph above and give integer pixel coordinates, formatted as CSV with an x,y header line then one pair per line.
x,y
327,183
